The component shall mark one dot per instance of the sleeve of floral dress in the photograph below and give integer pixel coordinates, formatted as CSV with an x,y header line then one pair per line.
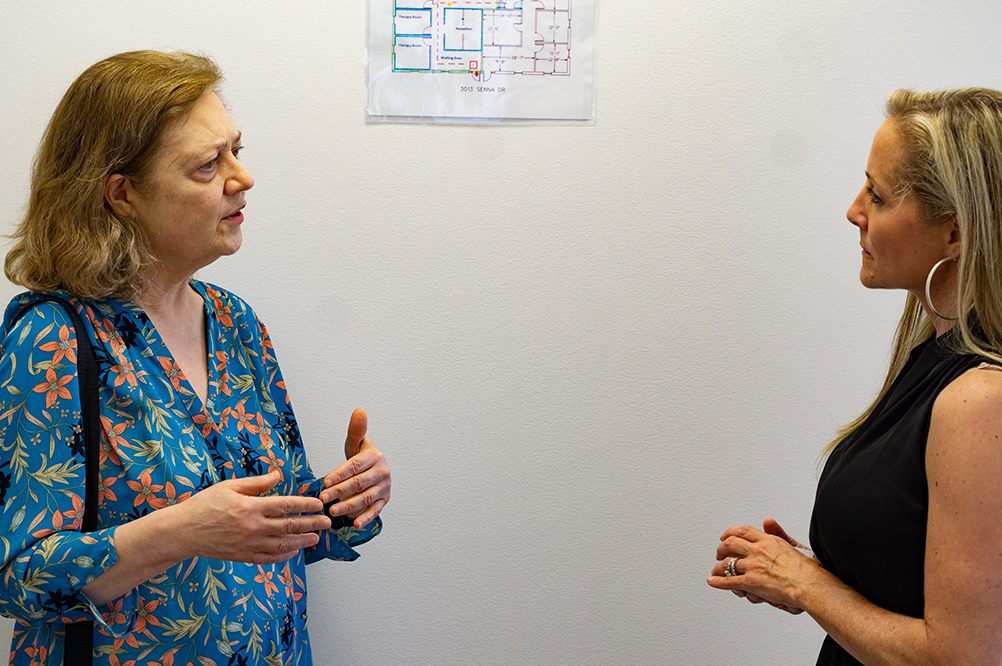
x,y
46,559
337,543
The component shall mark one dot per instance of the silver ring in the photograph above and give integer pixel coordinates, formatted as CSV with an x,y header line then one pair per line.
x,y
730,571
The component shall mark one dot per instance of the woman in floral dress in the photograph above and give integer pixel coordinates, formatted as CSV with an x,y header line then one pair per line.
x,y
208,510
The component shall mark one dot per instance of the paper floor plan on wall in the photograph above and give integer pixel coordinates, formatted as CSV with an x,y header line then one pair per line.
x,y
481,59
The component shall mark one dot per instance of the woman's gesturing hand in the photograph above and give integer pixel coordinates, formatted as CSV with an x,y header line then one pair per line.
x,y
762,565
229,521
362,484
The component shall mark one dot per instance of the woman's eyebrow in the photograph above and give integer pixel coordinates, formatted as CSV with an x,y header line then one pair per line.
x,y
217,146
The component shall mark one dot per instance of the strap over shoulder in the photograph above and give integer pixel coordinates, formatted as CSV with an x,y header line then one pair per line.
x,y
79,645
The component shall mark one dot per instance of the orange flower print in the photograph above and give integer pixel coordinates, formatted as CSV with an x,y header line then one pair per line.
x,y
171,497
125,371
113,613
287,580
244,419
111,440
224,378
266,578
173,371
64,347
54,387
224,383
168,660
273,462
145,614
145,489
269,348
205,423
105,492
76,513
129,640
222,312
281,385
264,432
113,660
265,338
39,655
106,332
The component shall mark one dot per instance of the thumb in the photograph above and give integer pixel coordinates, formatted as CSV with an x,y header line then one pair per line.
x,y
357,427
255,485
771,526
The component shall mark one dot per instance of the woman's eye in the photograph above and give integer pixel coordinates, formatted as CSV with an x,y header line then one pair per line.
x,y
236,150
208,166
874,199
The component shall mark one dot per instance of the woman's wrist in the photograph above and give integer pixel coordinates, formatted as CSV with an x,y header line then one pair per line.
x,y
144,548
813,582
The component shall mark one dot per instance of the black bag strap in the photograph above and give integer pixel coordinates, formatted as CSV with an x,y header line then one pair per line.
x,y
79,646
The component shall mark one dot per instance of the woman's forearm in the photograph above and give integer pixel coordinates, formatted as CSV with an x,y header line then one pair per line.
x,y
873,635
229,520
145,548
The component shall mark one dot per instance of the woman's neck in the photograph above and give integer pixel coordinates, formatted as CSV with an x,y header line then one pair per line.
x,y
162,299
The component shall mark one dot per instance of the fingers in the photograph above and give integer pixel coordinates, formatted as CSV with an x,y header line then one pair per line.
x,y
369,514
374,496
724,567
746,532
254,485
770,526
362,483
281,536
285,505
354,466
358,425
227,521
367,477
733,546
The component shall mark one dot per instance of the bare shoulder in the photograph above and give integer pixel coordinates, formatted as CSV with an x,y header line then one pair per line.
x,y
967,421
977,391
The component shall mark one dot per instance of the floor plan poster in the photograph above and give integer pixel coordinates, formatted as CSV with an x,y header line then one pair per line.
x,y
481,59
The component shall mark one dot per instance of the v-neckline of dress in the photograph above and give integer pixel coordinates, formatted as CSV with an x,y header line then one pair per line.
x,y
195,406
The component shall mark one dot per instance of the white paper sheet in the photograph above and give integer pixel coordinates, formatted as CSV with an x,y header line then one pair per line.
x,y
481,59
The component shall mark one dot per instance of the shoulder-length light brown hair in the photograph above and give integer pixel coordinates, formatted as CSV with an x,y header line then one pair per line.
x,y
953,166
112,120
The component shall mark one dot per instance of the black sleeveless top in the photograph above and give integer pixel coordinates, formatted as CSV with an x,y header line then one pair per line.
x,y
870,512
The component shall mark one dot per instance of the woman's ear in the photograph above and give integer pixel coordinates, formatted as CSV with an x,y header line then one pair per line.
x,y
120,194
953,242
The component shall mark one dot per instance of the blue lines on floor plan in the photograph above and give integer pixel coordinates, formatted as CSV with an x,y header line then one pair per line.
x,y
482,38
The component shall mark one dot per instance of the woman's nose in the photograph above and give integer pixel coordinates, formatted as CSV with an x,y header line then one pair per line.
x,y
240,180
855,214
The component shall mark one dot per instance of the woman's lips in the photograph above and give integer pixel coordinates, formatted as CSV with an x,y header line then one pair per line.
x,y
236,217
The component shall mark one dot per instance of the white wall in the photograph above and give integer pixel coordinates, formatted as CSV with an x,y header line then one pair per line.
x,y
589,351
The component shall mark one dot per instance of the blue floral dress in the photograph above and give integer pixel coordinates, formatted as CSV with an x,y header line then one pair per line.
x,y
160,446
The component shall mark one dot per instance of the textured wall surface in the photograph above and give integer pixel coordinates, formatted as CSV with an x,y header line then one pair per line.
x,y
586,350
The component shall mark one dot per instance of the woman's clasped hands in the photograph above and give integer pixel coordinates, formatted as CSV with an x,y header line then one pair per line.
x,y
766,565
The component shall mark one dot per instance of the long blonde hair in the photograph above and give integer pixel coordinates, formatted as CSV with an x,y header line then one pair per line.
x,y
111,120
953,165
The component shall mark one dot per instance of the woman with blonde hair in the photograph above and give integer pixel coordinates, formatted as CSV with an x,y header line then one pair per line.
x,y
907,523
204,508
